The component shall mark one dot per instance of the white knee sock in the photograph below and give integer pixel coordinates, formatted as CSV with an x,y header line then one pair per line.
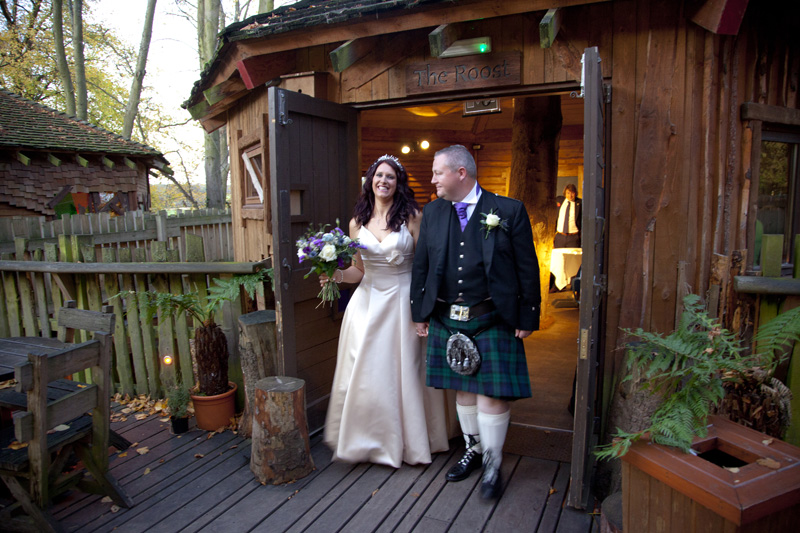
x,y
493,430
468,418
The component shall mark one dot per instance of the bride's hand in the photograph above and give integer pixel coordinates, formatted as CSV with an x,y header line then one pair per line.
x,y
323,279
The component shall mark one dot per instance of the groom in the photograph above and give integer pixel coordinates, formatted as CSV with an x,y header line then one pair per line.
x,y
475,272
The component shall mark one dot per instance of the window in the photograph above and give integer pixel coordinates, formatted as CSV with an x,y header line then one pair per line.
x,y
253,183
778,191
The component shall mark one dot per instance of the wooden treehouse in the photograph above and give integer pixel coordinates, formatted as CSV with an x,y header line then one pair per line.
x,y
666,115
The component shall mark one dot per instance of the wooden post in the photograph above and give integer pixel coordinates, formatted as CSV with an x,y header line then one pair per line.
x,y
257,349
281,450
534,172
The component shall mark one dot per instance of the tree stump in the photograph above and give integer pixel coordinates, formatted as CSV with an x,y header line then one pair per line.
x,y
281,451
257,349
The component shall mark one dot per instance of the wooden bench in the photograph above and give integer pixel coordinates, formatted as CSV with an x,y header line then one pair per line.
x,y
38,472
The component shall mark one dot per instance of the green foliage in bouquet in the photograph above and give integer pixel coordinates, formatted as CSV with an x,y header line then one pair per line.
x,y
689,367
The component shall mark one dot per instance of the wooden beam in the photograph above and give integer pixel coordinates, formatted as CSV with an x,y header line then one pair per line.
x,y
130,164
762,285
400,21
226,89
81,161
723,17
133,268
22,158
548,27
392,51
163,167
259,70
450,136
345,55
212,123
60,196
442,38
107,162
53,160
771,113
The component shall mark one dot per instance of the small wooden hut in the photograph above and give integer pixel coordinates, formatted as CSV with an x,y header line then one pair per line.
x,y
51,163
662,126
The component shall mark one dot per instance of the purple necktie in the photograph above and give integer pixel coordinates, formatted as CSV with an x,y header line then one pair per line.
x,y
461,210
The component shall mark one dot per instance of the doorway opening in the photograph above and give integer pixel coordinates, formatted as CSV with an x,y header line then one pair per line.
x,y
541,426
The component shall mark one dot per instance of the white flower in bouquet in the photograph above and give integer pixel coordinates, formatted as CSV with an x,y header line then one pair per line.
x,y
328,252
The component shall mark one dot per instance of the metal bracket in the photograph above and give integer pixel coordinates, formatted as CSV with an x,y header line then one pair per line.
x,y
283,118
607,93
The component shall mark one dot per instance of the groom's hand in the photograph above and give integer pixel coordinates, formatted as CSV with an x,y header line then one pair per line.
x,y
522,333
422,329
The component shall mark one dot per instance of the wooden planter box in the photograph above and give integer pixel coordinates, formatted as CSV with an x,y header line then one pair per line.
x,y
665,489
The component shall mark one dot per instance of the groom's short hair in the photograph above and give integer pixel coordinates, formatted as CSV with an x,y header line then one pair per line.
x,y
458,156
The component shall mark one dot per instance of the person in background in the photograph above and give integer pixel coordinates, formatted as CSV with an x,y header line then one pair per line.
x,y
568,227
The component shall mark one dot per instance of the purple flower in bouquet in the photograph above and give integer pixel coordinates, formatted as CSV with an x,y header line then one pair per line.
x,y
327,251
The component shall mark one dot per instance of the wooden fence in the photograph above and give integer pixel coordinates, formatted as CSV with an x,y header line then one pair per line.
x,y
44,271
135,229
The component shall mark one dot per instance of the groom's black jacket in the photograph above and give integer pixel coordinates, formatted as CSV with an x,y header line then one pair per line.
x,y
509,258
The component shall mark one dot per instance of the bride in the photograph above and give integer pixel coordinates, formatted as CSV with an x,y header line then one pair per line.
x,y
380,410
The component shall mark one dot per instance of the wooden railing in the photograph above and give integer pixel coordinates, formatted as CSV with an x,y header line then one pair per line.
x,y
44,272
135,229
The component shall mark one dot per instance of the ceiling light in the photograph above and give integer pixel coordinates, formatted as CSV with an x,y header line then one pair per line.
x,y
466,47
405,149
424,145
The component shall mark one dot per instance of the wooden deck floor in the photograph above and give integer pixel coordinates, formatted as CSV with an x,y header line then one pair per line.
x,y
196,483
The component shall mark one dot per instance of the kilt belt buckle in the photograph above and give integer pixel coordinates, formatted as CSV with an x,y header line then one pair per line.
x,y
459,312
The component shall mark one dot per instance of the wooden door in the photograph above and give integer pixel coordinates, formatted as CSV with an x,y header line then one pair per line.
x,y
315,179
592,276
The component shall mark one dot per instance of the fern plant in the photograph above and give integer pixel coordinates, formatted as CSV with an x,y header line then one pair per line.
x,y
688,368
211,346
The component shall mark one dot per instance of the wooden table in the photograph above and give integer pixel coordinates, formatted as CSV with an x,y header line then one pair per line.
x,y
15,350
564,265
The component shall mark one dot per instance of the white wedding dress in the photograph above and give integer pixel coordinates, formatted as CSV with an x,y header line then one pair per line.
x,y
380,410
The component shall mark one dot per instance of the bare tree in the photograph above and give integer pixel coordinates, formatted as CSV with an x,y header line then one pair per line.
x,y
265,6
80,63
209,21
61,56
132,108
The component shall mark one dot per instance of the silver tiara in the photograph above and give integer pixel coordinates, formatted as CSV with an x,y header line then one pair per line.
x,y
391,157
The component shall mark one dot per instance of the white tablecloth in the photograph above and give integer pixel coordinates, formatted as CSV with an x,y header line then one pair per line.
x,y
564,264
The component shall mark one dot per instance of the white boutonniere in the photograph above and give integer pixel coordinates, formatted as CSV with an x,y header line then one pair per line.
x,y
490,221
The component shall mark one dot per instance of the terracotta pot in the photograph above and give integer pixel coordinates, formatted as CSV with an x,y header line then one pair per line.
x,y
214,412
179,425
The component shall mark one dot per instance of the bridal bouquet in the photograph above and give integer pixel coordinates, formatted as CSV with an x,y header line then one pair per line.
x,y
327,251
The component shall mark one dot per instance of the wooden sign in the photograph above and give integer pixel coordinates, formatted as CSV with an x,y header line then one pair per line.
x,y
464,73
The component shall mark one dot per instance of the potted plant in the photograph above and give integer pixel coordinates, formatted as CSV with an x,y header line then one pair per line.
x,y
214,396
178,404
698,461
689,370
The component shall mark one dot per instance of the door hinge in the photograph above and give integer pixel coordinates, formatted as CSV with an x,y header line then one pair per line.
x,y
607,93
283,118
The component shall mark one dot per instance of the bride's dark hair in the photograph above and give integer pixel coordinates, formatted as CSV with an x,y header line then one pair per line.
x,y
404,204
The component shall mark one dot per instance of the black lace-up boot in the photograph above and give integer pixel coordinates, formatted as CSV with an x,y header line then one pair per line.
x,y
469,462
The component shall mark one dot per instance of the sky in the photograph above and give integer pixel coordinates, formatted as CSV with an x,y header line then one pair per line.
x,y
172,62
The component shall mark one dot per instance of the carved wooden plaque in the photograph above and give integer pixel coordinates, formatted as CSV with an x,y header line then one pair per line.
x,y
464,73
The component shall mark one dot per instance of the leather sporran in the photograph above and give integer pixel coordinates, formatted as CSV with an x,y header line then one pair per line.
x,y
463,355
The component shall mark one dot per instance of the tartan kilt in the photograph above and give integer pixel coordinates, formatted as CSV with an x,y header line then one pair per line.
x,y
503,373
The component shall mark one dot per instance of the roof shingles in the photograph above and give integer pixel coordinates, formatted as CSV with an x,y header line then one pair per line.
x,y
28,125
